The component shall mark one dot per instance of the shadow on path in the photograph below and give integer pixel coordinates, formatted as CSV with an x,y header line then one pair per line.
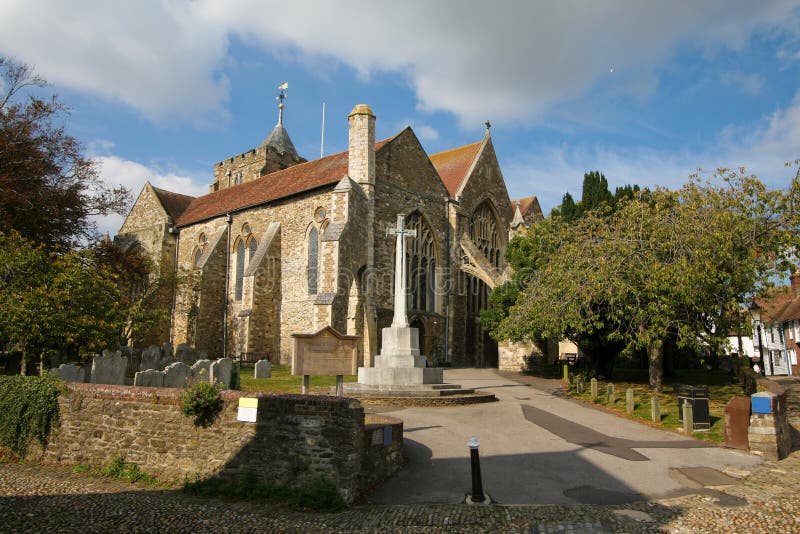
x,y
592,439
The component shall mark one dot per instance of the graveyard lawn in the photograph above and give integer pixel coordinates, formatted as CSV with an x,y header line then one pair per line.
x,y
283,382
721,388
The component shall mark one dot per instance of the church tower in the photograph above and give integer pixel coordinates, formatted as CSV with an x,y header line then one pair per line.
x,y
276,152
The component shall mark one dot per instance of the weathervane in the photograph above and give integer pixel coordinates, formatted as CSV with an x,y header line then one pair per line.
x,y
280,98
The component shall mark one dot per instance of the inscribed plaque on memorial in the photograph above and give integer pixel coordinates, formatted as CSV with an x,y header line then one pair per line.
x,y
325,353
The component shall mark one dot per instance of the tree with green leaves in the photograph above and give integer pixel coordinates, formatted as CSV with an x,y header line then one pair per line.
x,y
61,301
145,291
671,265
49,190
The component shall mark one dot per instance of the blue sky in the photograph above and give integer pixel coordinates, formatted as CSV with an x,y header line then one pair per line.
x,y
645,92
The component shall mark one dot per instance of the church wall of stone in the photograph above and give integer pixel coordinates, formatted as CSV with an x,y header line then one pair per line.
x,y
484,183
148,226
406,181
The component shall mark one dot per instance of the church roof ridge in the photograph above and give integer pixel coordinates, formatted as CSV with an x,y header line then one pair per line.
x,y
174,203
452,165
296,179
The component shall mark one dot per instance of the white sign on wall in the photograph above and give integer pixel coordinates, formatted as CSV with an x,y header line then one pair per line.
x,y
248,410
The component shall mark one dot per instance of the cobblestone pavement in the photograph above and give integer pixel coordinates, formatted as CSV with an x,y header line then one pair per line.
x,y
37,498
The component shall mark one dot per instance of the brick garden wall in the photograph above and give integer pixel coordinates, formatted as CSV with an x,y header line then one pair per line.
x,y
296,439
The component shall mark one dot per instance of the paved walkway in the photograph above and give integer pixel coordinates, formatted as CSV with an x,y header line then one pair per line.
x,y
537,448
35,498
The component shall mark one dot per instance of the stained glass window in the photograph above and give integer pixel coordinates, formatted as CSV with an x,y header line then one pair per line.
x,y
313,260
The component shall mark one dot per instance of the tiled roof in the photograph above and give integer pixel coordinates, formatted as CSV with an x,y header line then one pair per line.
x,y
774,303
273,186
452,165
526,204
792,311
174,203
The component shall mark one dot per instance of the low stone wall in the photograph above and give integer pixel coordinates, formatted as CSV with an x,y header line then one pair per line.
x,y
296,439
514,356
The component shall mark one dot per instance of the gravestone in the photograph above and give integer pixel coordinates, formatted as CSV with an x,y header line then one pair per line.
x,y
220,372
176,375
167,354
151,358
235,377
201,370
109,368
68,373
186,354
593,388
263,369
149,378
134,359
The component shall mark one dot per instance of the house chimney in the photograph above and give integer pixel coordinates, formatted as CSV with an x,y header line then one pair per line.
x,y
361,150
794,282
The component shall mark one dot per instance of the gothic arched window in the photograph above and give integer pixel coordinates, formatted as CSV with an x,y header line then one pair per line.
x,y
240,259
313,260
483,231
421,265
253,246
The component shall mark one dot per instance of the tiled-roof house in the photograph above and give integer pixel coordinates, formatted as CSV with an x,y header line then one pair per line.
x,y
281,245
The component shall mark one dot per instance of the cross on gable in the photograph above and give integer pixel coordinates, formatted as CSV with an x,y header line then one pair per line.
x,y
401,228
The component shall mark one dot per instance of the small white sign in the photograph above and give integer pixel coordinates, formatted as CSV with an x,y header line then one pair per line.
x,y
248,410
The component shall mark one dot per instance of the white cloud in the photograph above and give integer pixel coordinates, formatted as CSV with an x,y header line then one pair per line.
x,y
507,61
550,171
158,57
133,175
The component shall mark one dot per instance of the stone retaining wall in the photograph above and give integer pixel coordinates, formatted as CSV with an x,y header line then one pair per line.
x,y
296,438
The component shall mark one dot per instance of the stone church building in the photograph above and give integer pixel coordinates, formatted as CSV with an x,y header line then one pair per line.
x,y
281,245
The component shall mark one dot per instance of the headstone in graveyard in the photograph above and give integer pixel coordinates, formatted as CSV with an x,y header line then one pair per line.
x,y
176,375
109,368
220,372
149,378
263,369
201,370
69,373
151,358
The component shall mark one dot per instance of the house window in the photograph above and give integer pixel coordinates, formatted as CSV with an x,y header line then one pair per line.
x,y
313,260
421,265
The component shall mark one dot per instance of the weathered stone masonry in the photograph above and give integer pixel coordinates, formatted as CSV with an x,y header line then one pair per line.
x,y
296,439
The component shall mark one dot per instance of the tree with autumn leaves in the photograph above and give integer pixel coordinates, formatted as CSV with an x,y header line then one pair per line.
x,y
662,267
61,286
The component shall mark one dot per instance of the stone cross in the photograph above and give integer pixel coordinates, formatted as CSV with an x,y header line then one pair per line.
x,y
400,319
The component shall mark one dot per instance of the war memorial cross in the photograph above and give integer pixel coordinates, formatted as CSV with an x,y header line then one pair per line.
x,y
400,318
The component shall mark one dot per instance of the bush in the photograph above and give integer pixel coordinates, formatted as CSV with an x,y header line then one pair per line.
x,y
203,402
29,405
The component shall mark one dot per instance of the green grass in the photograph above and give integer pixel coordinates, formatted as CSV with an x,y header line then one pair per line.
x,y
319,496
282,381
721,387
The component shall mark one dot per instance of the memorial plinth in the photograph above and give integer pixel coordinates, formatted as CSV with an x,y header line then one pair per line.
x,y
400,362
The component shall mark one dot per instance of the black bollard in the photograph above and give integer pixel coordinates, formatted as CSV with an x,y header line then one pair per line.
x,y
477,483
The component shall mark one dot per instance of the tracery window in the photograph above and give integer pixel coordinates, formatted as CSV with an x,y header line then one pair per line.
x,y
246,246
313,259
421,265
483,231
239,269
